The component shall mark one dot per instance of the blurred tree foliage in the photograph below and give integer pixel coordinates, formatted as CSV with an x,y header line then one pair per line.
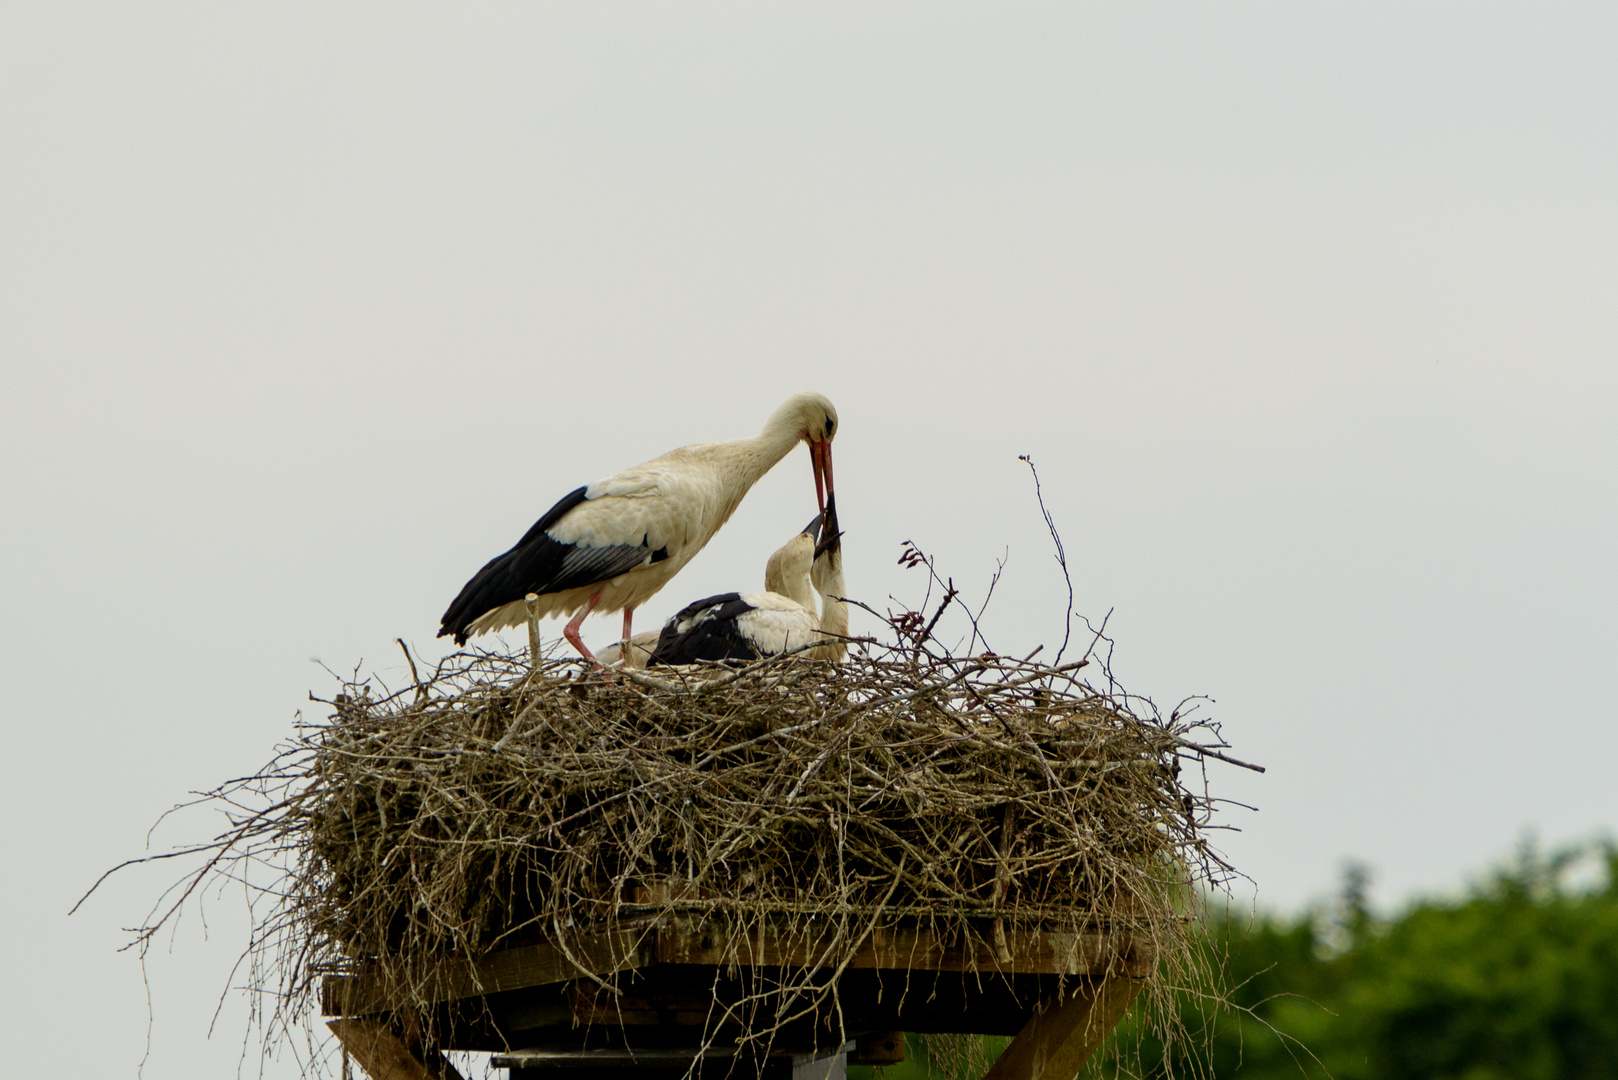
x,y
1515,980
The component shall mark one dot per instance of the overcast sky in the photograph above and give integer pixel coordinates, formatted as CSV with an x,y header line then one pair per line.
x,y
1305,311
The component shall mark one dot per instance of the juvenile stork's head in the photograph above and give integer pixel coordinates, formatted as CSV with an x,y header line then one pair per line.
x,y
812,419
787,570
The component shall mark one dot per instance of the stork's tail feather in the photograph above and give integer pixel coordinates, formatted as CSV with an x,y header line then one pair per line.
x,y
488,589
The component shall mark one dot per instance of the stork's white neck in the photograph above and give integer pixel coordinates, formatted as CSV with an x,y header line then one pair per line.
x,y
742,462
829,584
720,474
796,587
758,455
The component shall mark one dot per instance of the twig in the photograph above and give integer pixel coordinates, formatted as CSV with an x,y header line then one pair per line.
x,y
531,605
1061,555
1206,752
421,691
927,632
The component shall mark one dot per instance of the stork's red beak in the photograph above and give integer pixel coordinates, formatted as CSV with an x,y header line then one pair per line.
x,y
820,458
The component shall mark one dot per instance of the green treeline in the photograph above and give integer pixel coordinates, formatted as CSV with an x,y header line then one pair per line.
x,y
1515,980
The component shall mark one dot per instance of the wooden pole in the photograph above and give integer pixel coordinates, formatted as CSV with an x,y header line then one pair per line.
x,y
531,605
1061,1035
385,1056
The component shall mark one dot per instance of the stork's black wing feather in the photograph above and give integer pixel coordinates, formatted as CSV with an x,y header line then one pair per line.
x,y
705,630
708,608
554,514
538,564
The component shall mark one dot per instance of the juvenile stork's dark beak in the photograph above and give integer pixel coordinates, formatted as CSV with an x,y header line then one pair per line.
x,y
813,528
830,536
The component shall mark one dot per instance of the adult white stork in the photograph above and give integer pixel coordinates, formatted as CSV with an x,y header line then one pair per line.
x,y
612,544
734,626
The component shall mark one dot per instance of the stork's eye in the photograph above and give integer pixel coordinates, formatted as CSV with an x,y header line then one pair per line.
x,y
829,424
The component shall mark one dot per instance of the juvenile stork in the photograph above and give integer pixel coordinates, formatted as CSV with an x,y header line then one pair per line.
x,y
733,626
612,544
737,626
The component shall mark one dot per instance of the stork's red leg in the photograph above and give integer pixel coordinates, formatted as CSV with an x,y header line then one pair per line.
x,y
624,646
571,630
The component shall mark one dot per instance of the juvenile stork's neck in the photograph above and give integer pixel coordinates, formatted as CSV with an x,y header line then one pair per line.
x,y
834,612
792,583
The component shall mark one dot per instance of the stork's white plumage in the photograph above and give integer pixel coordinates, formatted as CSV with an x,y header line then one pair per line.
x,y
614,543
640,650
735,626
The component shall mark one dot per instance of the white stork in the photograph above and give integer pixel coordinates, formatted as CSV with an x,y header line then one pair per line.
x,y
612,544
733,626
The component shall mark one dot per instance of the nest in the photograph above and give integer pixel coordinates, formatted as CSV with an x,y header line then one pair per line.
x,y
497,802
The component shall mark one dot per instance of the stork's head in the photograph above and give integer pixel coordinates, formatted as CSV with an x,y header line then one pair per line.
x,y
812,419
787,571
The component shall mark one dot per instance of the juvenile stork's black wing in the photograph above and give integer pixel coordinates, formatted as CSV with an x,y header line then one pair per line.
x,y
540,564
705,630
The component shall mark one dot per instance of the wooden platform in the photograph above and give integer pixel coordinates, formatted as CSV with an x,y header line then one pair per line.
x,y
545,1012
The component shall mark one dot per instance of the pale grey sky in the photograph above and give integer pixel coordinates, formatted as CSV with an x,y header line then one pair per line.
x,y
1306,313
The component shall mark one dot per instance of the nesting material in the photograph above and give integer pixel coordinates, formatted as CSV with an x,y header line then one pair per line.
x,y
494,804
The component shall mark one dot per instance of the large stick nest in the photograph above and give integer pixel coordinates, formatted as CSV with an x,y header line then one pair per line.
x,y
495,802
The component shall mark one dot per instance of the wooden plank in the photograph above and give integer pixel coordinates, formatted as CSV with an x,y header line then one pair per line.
x,y
1039,952
577,1061
635,1007
511,969
1060,1037
383,1055
512,1013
